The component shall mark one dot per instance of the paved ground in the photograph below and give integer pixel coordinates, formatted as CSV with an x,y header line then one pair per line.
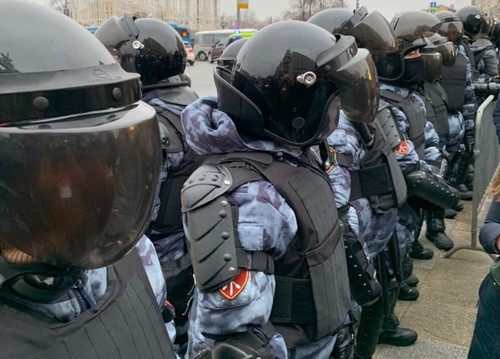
x,y
445,313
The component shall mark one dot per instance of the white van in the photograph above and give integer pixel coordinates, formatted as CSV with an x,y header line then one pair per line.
x,y
204,40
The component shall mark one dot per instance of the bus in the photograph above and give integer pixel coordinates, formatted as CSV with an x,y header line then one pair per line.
x,y
184,31
204,40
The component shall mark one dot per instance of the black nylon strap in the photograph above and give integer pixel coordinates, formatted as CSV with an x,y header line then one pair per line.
x,y
259,262
363,183
344,160
293,302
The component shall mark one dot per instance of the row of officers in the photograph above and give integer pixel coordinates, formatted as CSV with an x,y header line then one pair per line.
x,y
282,215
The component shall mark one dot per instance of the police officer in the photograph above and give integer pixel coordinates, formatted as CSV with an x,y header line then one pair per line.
x,y
457,83
365,153
448,124
477,27
79,163
266,243
156,52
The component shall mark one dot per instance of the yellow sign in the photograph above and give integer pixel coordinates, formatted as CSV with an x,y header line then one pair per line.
x,y
242,4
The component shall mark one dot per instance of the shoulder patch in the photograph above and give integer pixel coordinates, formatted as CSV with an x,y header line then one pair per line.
x,y
235,287
403,148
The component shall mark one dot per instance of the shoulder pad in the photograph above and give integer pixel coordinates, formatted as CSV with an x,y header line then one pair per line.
x,y
164,136
204,185
178,95
383,104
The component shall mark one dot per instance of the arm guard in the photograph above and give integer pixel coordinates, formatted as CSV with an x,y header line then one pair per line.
x,y
210,227
430,188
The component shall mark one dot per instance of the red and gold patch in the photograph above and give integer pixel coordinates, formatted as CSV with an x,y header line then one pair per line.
x,y
403,148
231,290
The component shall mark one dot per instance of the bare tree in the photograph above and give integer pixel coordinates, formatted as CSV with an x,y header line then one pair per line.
x,y
304,9
64,6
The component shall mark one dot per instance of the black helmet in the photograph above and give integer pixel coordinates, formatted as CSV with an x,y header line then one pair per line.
x,y
228,56
452,27
372,32
150,47
413,28
487,26
80,154
285,81
445,48
473,19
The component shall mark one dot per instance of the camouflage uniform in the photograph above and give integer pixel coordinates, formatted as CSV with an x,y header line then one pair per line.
x,y
265,223
93,284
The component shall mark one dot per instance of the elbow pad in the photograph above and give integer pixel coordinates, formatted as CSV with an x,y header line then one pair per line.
x,y
431,189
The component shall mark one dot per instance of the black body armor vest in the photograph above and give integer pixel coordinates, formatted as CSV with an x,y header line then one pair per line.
x,y
472,61
415,116
169,220
128,325
454,82
379,179
312,294
436,105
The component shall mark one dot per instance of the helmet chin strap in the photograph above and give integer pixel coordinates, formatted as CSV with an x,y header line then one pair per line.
x,y
30,280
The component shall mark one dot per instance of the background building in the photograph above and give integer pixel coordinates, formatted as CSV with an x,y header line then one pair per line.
x,y
492,7
197,14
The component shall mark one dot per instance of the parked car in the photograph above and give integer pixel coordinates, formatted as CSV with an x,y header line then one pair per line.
x,y
204,40
190,53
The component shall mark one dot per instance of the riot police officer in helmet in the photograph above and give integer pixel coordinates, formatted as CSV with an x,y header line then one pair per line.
x,y
376,211
78,180
256,135
155,51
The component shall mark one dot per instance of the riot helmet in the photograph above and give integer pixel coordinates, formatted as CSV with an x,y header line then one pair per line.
x,y
413,28
451,27
445,48
290,80
372,32
487,26
473,19
228,56
80,154
149,47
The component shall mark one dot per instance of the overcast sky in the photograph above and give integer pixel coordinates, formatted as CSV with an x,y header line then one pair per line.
x,y
266,8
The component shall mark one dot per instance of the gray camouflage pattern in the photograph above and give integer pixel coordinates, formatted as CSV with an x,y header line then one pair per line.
x,y
265,223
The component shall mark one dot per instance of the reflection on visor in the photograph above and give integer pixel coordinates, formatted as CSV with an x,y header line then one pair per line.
x,y
453,30
432,63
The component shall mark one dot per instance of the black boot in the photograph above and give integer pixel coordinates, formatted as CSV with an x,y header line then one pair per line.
x,y
450,213
459,207
407,293
465,193
369,329
412,281
418,251
436,231
391,333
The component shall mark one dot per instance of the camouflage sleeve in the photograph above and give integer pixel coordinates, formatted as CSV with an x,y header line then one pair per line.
x,y
456,134
433,151
405,153
152,266
490,62
345,140
469,108
265,223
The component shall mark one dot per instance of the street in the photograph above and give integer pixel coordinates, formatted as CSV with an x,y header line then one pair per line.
x,y
201,74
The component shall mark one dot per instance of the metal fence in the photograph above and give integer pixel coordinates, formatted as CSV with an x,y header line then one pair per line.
x,y
486,163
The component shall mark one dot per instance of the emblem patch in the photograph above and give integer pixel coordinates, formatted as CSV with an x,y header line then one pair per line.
x,y
403,148
231,290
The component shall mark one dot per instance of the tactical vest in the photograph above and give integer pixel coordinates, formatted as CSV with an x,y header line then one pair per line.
x,y
414,115
454,82
128,325
472,61
169,219
379,179
312,294
436,105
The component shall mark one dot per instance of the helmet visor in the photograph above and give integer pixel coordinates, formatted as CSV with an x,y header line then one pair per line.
x,y
373,32
390,66
453,30
432,63
448,53
78,192
354,74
